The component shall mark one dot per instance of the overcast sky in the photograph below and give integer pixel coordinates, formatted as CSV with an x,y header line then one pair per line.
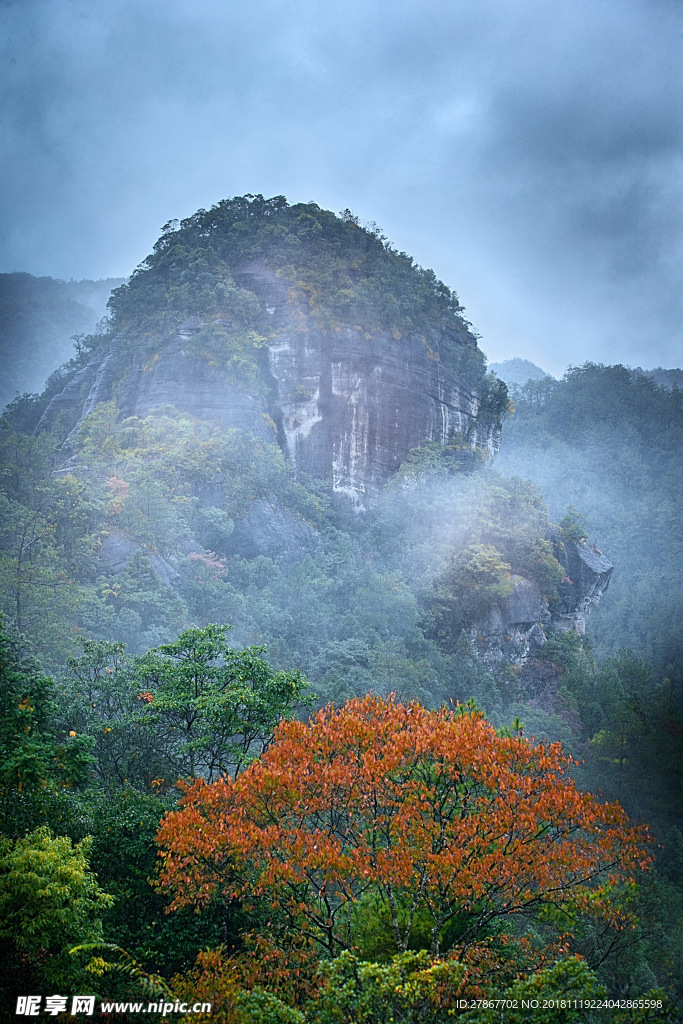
x,y
530,151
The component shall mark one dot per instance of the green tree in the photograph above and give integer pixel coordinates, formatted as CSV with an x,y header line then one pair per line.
x,y
49,902
550,994
123,824
34,767
214,707
474,578
48,537
410,989
99,697
573,525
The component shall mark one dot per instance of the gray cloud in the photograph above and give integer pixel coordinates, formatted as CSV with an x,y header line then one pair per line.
x,y
529,152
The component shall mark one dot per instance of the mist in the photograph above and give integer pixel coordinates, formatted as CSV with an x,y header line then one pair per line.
x,y
608,443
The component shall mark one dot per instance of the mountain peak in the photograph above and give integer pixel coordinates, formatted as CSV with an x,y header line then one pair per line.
x,y
302,328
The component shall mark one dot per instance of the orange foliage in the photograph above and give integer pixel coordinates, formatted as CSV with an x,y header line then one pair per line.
x,y
209,982
218,977
288,969
290,972
431,811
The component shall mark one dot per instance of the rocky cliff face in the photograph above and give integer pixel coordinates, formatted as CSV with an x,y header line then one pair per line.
x,y
344,405
587,576
514,628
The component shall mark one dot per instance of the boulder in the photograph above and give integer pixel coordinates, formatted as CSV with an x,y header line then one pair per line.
x,y
512,628
587,576
117,549
272,530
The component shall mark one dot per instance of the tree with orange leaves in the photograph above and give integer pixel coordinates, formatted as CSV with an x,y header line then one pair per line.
x,y
431,813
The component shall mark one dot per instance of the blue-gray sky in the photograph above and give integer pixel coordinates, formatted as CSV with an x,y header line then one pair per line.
x,y
531,152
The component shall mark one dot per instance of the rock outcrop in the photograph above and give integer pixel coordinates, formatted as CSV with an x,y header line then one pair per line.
x,y
272,530
350,407
118,548
514,628
298,327
587,576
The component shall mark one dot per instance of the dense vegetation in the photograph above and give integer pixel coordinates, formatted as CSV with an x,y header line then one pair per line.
x,y
95,756
296,883
375,606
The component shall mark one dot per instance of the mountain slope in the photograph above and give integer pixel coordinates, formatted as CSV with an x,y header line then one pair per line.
x,y
302,328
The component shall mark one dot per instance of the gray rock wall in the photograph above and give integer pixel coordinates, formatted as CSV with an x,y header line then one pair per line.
x,y
351,408
347,407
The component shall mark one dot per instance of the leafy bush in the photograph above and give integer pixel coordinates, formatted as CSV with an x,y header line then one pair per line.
x,y
49,902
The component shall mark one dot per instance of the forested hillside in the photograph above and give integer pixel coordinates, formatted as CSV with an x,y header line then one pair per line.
x,y
180,592
608,441
516,372
41,321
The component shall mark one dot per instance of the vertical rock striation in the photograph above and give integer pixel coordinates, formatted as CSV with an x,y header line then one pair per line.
x,y
345,405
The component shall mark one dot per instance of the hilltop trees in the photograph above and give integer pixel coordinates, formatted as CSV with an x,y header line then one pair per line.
x,y
341,269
